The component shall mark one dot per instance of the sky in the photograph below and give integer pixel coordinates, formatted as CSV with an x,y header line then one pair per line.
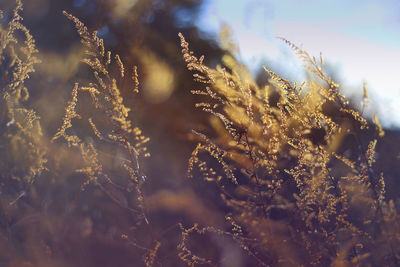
x,y
359,39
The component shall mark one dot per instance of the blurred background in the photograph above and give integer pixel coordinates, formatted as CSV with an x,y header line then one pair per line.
x,y
55,224
360,41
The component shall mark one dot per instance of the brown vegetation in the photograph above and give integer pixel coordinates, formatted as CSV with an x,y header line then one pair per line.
x,y
283,187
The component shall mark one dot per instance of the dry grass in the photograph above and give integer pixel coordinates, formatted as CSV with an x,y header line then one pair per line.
x,y
289,194
292,196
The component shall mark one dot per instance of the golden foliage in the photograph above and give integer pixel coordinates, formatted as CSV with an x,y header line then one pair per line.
x,y
22,150
116,128
378,126
292,195
283,160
